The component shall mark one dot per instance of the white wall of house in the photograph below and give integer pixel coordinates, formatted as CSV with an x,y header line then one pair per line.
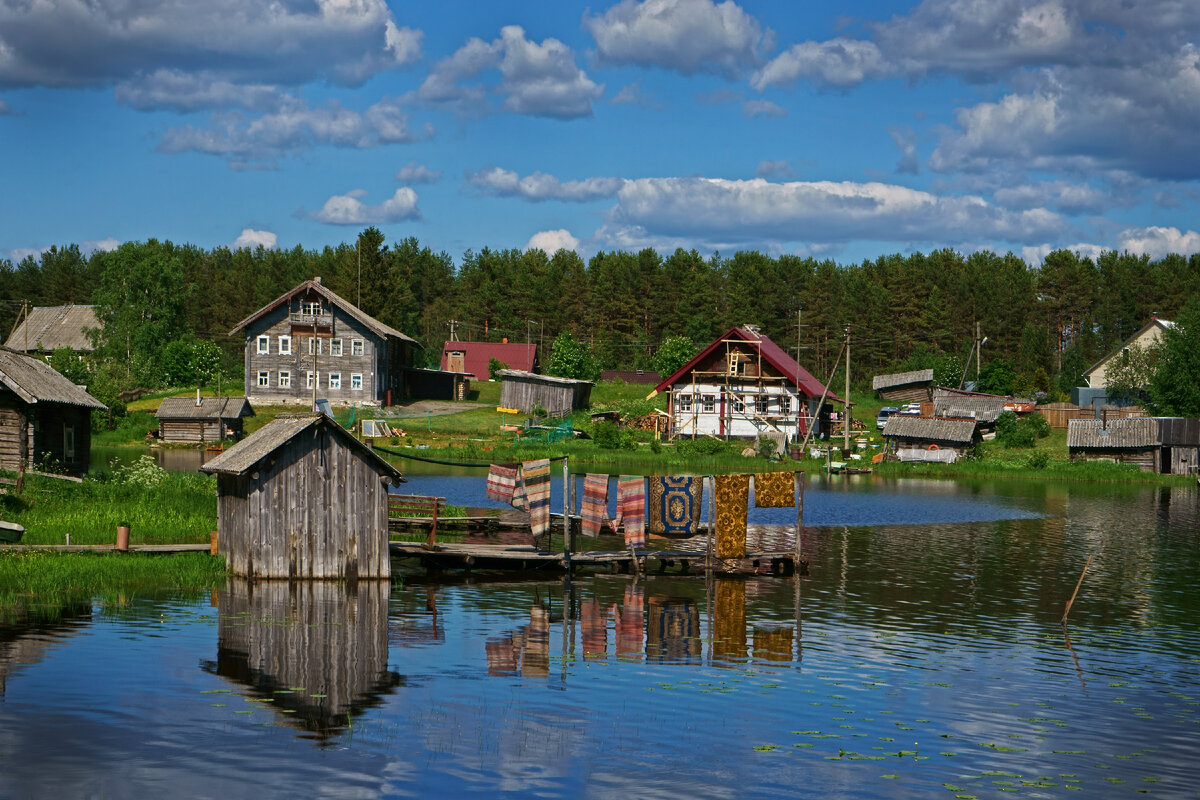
x,y
715,409
1148,337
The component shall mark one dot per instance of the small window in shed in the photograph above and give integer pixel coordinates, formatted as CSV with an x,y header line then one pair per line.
x,y
285,379
335,380
335,347
264,345
264,379
356,381
285,345
356,347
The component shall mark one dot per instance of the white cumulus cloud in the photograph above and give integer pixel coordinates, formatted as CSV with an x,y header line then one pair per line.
x,y
687,36
253,239
539,186
839,62
1157,242
552,241
412,172
349,209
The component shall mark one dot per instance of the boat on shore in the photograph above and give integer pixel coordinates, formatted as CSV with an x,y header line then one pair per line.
x,y
10,532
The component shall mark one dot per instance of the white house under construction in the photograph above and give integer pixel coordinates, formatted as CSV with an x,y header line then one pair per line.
x,y
743,385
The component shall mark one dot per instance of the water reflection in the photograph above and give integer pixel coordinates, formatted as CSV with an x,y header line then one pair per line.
x,y
316,650
26,635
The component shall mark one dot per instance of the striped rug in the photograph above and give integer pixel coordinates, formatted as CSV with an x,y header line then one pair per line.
x,y
536,478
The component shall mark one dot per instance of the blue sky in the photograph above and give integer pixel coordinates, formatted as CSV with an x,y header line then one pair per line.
x,y
1022,125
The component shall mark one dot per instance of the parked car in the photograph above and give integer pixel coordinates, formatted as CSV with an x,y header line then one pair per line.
x,y
884,413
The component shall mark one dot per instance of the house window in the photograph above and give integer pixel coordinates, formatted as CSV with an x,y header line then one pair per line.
x,y
264,345
709,403
785,405
356,347
285,345
285,379
739,404
309,383
314,346
335,380
264,379
356,381
685,403
335,347
310,309
760,404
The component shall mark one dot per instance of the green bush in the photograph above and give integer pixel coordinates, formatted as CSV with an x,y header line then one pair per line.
x,y
1039,459
702,446
1039,424
606,435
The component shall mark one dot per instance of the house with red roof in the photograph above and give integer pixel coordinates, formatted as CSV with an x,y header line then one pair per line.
x,y
473,357
744,385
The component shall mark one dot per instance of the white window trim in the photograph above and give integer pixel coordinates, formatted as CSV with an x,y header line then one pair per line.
x,y
356,377
708,403
335,380
285,379
685,403
285,345
337,342
357,347
309,380
264,378
264,345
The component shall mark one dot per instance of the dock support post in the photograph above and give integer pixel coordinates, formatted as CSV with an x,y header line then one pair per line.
x,y
799,488
712,523
567,513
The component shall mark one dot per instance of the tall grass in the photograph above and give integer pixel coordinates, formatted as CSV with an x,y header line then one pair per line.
x,y
174,508
130,429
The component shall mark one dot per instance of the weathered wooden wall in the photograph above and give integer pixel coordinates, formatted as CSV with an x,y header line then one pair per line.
x,y
16,436
324,643
1060,414
1146,459
558,401
316,509
37,433
908,394
1184,460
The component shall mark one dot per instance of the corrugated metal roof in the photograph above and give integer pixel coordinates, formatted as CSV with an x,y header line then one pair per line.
x,y
981,409
244,455
366,319
773,353
35,381
209,408
902,378
53,327
476,356
933,429
529,376
1119,433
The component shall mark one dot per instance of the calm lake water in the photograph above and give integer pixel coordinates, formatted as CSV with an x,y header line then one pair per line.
x,y
923,656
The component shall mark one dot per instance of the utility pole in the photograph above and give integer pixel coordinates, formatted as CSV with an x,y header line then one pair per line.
x,y
977,346
453,335
358,251
846,421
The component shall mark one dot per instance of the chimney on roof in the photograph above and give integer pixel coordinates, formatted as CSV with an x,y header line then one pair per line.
x,y
317,279
1153,315
753,329
504,340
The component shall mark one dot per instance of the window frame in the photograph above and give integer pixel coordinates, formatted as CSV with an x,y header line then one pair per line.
x,y
785,405
357,347
356,378
335,380
309,379
284,380
264,379
264,345
708,403
335,344
685,403
762,404
285,345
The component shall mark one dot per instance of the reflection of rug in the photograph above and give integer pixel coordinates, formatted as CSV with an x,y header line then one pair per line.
x,y
537,491
501,483
772,644
675,503
673,630
594,508
631,509
631,619
729,619
733,495
594,619
774,490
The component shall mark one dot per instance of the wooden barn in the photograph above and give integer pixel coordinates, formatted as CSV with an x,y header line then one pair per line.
x,y
906,387
558,396
302,499
43,416
929,438
202,419
743,385
474,358
1126,441
1180,440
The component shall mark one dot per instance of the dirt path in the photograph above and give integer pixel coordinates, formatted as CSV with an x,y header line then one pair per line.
x,y
437,408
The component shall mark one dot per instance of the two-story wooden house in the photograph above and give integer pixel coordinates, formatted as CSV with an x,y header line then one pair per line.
x,y
312,343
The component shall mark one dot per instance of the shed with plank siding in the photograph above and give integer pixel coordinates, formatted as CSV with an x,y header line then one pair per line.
x,y
205,419
911,387
302,499
930,434
557,396
44,418
1127,441
1180,440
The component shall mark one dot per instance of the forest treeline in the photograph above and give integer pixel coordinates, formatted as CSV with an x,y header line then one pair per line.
x,y
1044,324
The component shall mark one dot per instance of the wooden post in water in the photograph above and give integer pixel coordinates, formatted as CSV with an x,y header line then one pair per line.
x,y
1067,610
567,513
798,479
712,524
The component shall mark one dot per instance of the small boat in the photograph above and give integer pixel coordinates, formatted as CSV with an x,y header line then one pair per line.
x,y
10,532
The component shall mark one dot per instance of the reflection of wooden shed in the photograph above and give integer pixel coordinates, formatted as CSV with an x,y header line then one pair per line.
x,y
911,387
1180,440
318,650
43,416
1127,441
558,396
204,419
935,437
301,498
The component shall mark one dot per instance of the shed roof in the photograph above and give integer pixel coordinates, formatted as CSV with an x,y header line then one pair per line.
x,y
902,379
801,378
982,408
1179,431
477,356
549,379
631,376
244,455
35,381
209,408
933,429
1133,433
54,327
377,327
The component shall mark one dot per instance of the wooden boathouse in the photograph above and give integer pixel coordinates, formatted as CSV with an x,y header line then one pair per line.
x,y
302,499
557,396
202,419
1126,441
929,438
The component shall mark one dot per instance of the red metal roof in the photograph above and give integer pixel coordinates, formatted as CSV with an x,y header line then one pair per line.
x,y
773,353
476,355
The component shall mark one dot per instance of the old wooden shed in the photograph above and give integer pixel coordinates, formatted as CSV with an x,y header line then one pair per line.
x,y
302,499
1180,441
911,387
44,418
1127,441
929,438
203,419
557,396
